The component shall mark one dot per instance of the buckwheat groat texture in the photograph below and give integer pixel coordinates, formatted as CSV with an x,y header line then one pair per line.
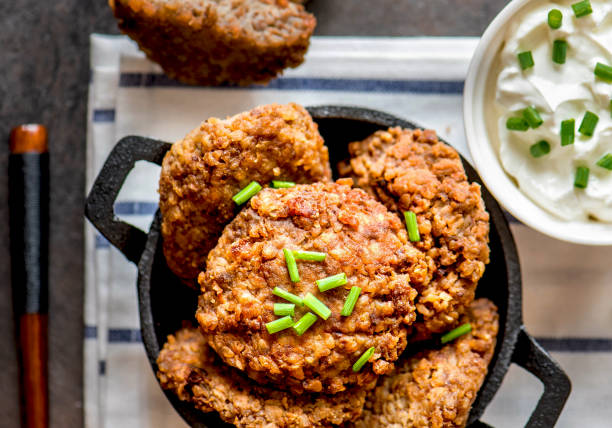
x,y
201,173
436,388
211,42
361,239
189,368
411,170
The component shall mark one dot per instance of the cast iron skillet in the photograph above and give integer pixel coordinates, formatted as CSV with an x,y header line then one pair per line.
x,y
164,302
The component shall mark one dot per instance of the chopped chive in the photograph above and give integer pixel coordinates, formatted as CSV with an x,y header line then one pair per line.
x,y
311,256
281,309
532,116
582,177
526,60
291,265
456,332
412,226
282,184
559,51
582,8
331,282
603,71
517,124
317,306
589,122
568,132
283,294
304,323
363,359
279,324
350,301
247,193
605,161
539,149
555,18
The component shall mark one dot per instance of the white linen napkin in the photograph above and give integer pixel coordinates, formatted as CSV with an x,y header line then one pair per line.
x,y
567,288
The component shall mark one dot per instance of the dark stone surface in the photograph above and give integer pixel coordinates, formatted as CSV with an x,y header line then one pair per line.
x,y
45,70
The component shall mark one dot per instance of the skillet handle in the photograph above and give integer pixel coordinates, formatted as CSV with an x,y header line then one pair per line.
x,y
532,357
99,206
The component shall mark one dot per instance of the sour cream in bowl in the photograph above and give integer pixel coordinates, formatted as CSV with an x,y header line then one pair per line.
x,y
532,75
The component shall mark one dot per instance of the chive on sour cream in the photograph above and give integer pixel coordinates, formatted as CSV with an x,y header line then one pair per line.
x,y
558,92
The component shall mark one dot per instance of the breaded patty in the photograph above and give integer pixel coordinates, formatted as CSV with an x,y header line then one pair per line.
x,y
201,173
361,239
410,170
436,388
192,370
211,42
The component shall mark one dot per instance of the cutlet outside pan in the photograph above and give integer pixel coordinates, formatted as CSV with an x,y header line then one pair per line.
x,y
164,302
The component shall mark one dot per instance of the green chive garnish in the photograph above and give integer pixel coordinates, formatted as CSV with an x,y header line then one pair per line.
x,y
517,124
559,51
526,60
282,309
279,324
605,161
350,301
582,177
331,282
304,323
291,265
555,17
531,115
282,184
456,332
247,193
317,306
568,132
589,122
603,71
363,359
539,149
582,8
412,226
283,294
311,256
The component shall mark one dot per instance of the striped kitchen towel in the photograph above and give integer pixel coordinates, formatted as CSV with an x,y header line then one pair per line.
x,y
567,288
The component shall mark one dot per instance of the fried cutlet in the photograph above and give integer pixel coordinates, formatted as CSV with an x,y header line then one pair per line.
x,y
411,170
360,238
201,173
214,42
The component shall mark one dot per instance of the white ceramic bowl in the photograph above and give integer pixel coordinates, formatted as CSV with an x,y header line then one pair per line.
x,y
486,159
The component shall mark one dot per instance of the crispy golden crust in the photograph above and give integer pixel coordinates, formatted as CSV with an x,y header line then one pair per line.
x,y
412,170
436,388
214,42
189,368
201,173
360,237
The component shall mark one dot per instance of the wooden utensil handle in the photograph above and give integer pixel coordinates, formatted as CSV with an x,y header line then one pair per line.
x,y
29,232
33,352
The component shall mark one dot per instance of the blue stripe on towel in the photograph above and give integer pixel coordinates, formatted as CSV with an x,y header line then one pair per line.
x,y
124,335
149,208
90,332
453,87
575,344
552,344
104,115
135,208
101,242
